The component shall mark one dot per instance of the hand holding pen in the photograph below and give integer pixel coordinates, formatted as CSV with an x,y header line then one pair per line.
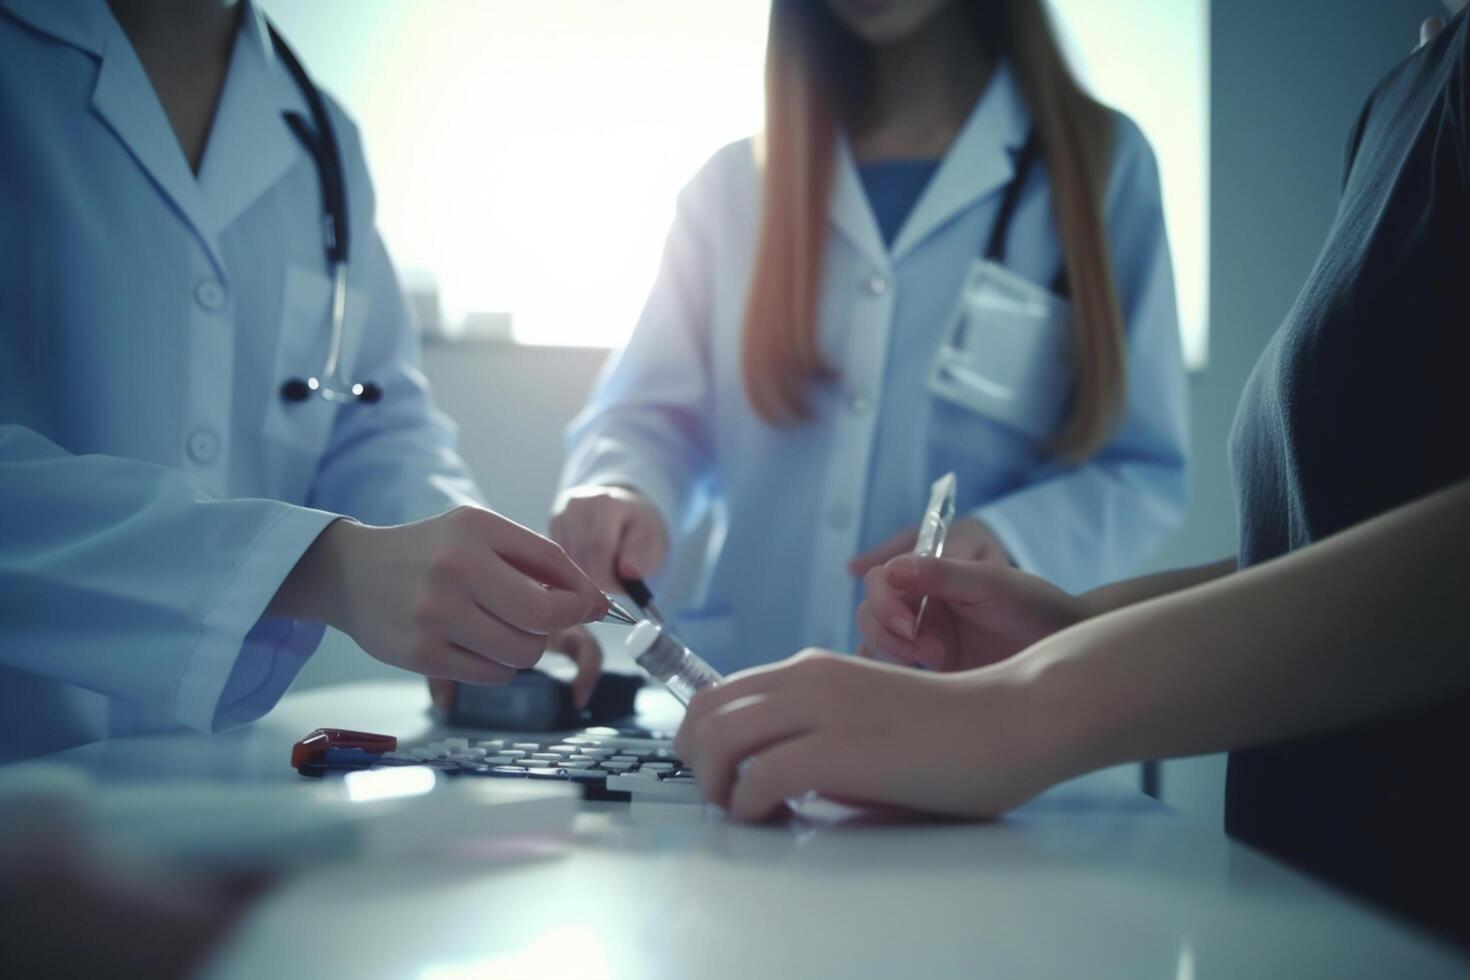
x,y
614,534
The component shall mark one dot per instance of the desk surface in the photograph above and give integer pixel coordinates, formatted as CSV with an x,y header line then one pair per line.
x,y
1090,880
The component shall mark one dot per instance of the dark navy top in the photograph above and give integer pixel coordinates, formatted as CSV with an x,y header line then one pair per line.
x,y
1359,405
893,188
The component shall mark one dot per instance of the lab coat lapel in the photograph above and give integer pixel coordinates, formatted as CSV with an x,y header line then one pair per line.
x,y
82,25
250,148
125,100
981,161
850,212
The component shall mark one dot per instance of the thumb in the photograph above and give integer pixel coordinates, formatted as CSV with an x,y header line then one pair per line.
x,y
441,692
898,544
952,580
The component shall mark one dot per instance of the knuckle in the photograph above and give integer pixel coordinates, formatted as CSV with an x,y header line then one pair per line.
x,y
425,611
496,675
537,610
811,662
446,566
465,516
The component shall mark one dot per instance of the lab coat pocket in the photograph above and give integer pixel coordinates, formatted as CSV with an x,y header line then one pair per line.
x,y
1006,353
298,432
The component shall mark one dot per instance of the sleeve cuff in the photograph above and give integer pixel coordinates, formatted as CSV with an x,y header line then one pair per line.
x,y
227,624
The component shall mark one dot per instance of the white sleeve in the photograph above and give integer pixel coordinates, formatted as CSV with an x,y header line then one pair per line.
x,y
646,423
138,582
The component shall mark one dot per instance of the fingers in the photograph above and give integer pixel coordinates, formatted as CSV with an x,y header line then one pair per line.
x,y
540,559
900,543
592,540
868,653
584,650
878,639
756,680
502,590
726,738
441,692
949,579
642,549
613,533
891,612
485,635
455,663
788,770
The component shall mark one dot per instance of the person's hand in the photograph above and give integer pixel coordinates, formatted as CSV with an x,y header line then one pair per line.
x,y
612,532
979,612
467,596
964,745
969,538
578,643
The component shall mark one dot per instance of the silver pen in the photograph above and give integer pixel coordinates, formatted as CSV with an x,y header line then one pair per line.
x,y
934,528
617,613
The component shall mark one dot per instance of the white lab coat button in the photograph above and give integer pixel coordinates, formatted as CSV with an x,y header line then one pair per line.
x,y
202,446
210,294
858,403
839,516
876,285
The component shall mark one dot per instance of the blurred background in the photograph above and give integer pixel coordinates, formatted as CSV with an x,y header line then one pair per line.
x,y
526,155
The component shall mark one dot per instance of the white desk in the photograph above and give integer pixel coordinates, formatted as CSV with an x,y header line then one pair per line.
x,y
1090,880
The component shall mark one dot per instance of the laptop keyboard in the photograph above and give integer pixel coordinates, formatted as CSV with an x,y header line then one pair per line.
x,y
608,764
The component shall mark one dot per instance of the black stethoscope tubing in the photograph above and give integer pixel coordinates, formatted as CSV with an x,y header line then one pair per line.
x,y
319,138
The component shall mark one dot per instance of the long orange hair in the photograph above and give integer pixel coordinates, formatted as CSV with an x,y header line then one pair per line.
x,y
816,76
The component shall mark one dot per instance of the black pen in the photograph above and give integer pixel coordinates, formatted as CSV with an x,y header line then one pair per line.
x,y
642,597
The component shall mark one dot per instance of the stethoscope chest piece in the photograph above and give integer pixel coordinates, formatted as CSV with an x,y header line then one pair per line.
x,y
300,389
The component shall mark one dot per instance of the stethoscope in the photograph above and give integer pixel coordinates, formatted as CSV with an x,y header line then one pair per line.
x,y
995,245
321,144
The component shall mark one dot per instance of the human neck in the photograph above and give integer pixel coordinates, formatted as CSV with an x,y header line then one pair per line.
x,y
922,89
184,47
195,28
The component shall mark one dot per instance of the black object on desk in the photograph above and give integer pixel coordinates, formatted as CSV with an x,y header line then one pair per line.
x,y
538,702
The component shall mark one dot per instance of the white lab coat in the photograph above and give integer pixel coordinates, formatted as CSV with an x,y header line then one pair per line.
x,y
154,487
670,416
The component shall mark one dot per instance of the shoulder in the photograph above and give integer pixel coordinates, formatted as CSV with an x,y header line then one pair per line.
x,y
349,136
728,178
1134,169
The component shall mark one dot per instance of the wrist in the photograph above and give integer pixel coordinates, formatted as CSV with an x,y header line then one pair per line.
x,y
1066,709
316,589
1093,603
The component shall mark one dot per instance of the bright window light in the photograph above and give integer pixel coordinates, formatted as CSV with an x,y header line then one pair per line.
x,y
1151,59
527,152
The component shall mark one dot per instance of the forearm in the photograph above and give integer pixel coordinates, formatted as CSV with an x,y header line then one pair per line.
x,y
1118,595
1361,625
